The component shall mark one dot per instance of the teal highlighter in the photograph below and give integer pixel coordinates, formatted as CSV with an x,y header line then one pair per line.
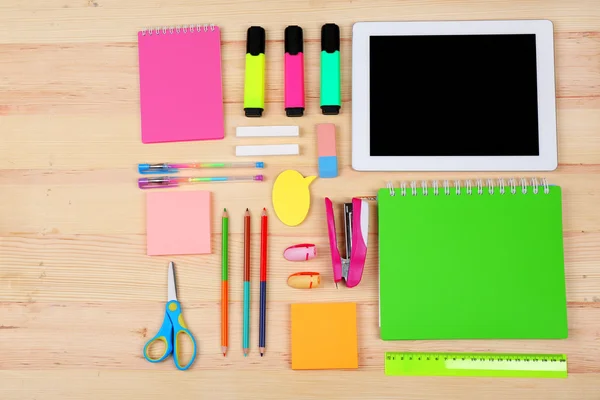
x,y
331,85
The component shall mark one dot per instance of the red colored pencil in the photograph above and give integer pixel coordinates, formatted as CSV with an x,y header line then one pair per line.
x,y
263,283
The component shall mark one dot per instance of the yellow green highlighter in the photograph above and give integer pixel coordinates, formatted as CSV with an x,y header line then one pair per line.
x,y
254,83
172,329
331,85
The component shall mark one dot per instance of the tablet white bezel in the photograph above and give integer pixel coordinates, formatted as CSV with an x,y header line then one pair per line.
x,y
361,158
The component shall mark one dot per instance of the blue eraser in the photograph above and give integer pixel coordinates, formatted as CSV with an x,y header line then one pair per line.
x,y
260,164
328,167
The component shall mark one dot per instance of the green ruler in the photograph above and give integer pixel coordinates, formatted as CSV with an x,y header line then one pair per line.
x,y
476,364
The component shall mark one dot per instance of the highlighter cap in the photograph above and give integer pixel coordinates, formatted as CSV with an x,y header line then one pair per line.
x,y
330,38
255,40
294,41
300,252
304,280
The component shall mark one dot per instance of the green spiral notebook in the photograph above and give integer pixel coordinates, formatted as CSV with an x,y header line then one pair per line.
x,y
471,261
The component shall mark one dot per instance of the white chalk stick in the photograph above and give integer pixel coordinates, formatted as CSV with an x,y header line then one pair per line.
x,y
268,150
267,131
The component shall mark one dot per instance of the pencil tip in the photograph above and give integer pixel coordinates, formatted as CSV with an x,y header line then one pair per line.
x,y
224,209
245,355
223,354
247,209
262,354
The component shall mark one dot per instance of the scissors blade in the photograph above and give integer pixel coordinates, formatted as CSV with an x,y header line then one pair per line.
x,y
172,286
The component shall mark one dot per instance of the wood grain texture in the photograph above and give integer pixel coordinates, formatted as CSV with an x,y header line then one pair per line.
x,y
78,295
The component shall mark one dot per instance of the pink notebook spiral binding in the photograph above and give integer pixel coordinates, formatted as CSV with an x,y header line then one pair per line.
x,y
181,90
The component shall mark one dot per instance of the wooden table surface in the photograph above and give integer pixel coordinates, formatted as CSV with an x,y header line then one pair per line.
x,y
78,295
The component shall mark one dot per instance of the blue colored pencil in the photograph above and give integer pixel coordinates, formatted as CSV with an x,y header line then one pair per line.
x,y
263,283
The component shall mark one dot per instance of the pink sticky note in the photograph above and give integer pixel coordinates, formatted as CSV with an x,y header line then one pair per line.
x,y
178,223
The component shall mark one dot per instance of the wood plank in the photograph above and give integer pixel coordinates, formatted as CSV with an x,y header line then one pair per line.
x,y
226,383
43,80
64,21
40,142
63,206
55,268
117,342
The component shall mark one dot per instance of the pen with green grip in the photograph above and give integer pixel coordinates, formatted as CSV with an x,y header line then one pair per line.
x,y
331,87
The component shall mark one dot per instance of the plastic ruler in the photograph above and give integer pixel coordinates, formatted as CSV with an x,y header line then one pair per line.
x,y
476,364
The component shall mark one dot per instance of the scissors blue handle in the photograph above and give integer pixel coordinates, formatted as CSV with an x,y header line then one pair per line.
x,y
170,333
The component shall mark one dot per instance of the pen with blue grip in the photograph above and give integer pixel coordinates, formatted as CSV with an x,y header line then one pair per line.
x,y
170,168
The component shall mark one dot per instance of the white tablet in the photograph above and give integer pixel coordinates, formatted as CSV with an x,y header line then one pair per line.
x,y
453,96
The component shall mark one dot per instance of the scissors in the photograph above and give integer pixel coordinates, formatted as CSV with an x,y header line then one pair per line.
x,y
172,328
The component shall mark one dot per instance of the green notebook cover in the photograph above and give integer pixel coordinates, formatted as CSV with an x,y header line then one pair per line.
x,y
478,266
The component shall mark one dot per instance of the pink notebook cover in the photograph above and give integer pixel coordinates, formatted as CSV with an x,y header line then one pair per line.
x,y
181,91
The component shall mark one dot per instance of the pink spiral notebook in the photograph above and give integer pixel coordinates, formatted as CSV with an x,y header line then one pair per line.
x,y
181,91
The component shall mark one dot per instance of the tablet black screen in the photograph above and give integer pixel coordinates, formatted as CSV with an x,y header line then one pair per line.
x,y
456,95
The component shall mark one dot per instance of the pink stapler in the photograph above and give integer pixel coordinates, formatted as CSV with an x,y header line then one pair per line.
x,y
356,227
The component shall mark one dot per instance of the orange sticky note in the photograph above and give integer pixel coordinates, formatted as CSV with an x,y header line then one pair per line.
x,y
324,336
178,223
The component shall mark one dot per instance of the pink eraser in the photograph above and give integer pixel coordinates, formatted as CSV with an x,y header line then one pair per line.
x,y
300,252
326,140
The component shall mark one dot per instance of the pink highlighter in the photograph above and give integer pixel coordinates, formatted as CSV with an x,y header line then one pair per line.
x,y
294,71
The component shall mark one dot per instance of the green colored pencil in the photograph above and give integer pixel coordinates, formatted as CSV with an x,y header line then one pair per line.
x,y
224,283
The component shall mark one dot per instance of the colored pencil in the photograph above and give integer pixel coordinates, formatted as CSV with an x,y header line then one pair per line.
x,y
224,281
246,323
263,284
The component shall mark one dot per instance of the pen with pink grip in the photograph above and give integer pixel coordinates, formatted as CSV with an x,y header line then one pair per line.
x,y
158,182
